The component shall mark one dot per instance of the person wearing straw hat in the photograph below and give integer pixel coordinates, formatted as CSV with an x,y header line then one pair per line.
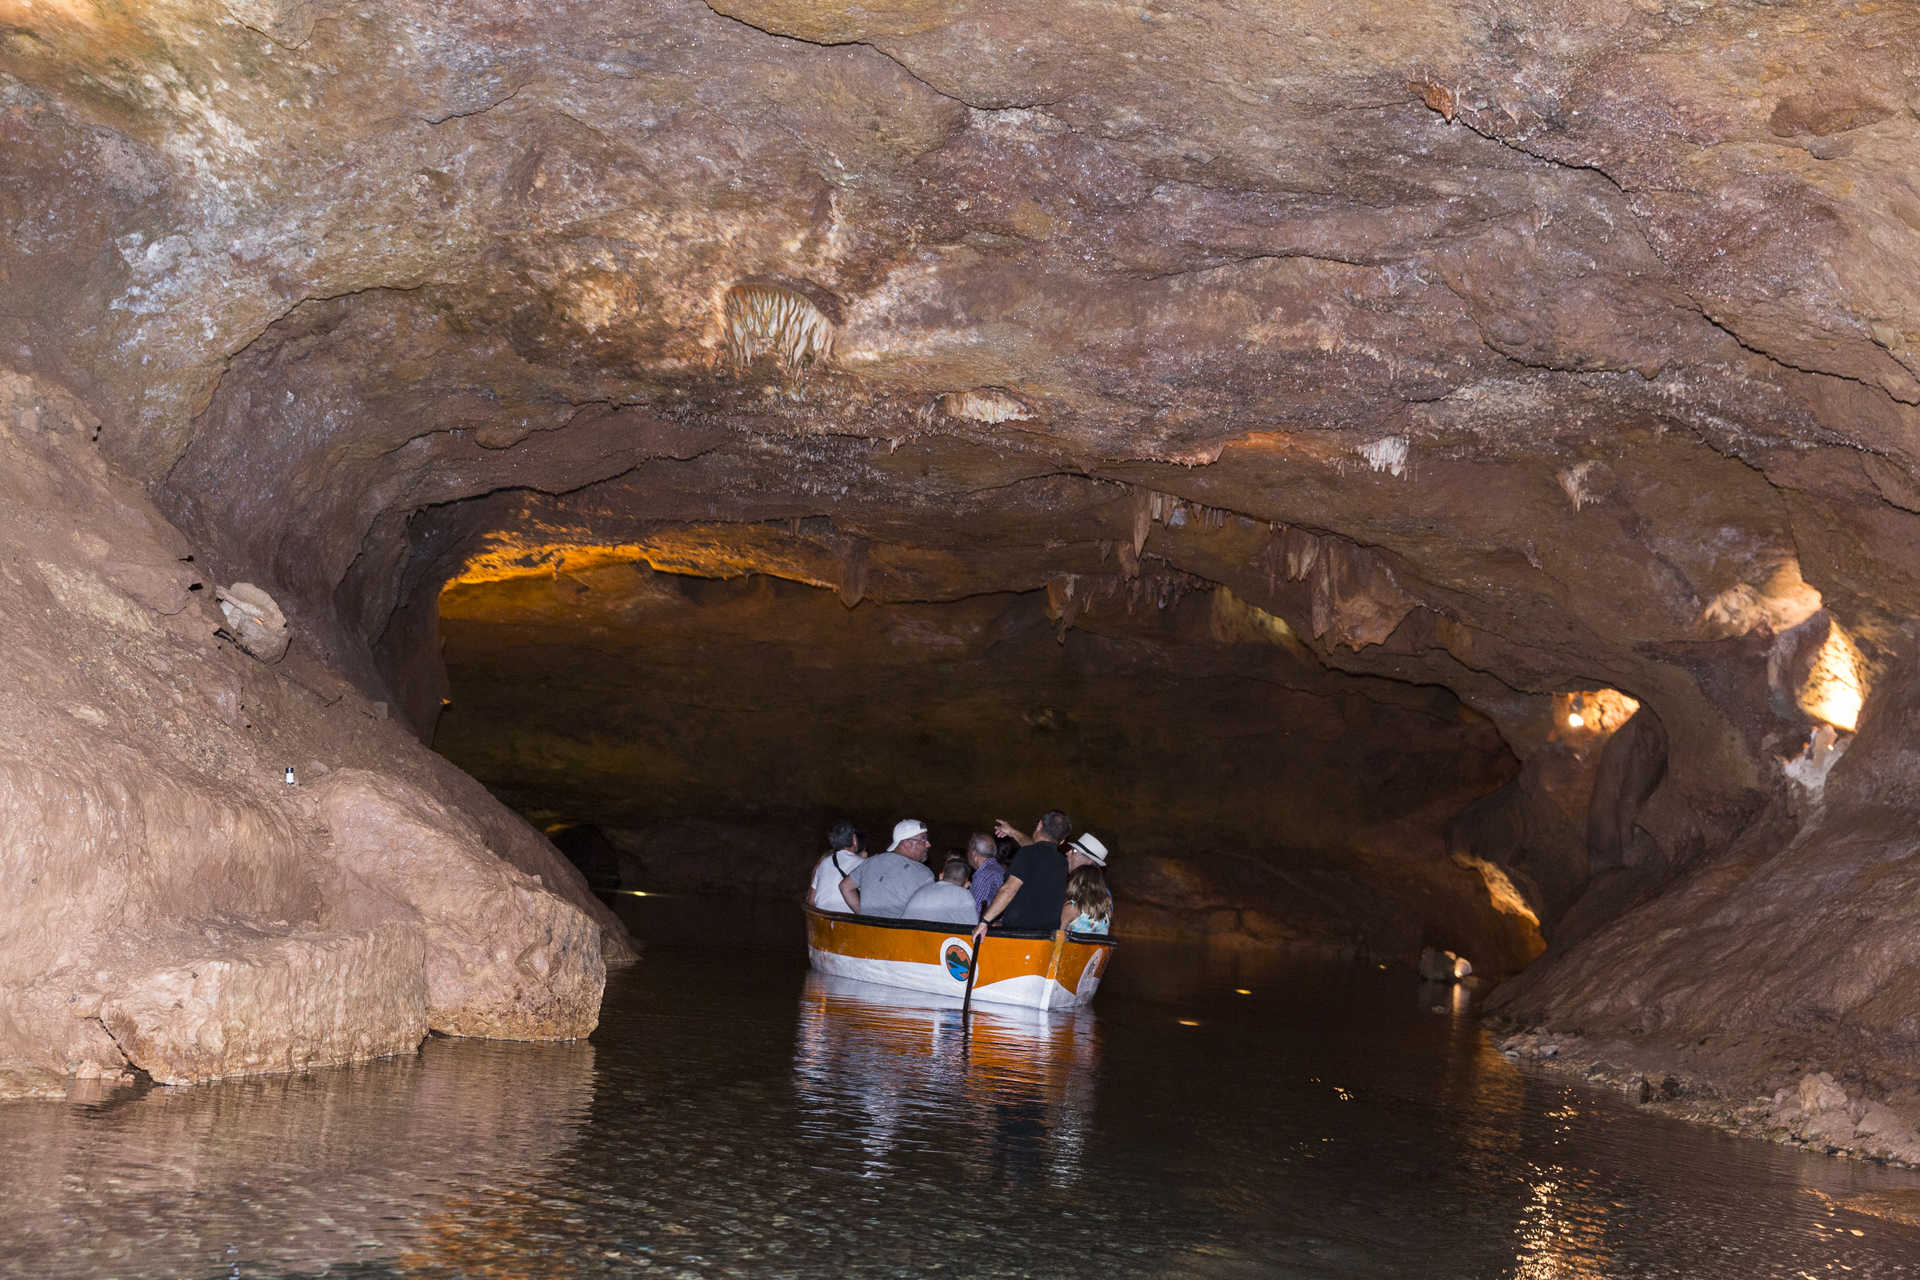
x,y
1085,850
881,885
1089,904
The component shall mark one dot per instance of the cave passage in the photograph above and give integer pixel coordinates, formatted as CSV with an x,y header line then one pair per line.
x,y
707,730
1405,475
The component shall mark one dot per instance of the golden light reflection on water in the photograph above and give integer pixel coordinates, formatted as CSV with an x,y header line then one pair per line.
x,y
1562,1232
700,551
1015,1085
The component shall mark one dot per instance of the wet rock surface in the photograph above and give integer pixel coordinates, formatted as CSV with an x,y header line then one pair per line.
x,y
1816,1112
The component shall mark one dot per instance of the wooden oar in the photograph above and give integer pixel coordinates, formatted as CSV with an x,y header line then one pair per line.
x,y
973,971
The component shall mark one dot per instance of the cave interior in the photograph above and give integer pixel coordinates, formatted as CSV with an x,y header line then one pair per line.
x,y
1404,475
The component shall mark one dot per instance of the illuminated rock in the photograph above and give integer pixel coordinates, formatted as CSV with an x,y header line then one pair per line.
x,y
247,1001
254,621
503,957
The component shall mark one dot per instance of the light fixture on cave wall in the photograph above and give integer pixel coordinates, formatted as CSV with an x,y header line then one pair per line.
x,y
1585,716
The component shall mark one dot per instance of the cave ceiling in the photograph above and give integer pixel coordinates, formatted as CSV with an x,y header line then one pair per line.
x,y
1512,348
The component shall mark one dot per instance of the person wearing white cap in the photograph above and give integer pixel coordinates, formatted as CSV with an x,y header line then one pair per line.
x,y
881,885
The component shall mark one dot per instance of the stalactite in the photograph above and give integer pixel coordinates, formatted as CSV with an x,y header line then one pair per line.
x,y
764,319
853,573
1301,549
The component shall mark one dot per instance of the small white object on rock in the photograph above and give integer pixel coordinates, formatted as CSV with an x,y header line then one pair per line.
x,y
254,620
1811,766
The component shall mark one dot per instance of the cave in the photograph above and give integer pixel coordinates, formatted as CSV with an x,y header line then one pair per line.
x,y
1410,477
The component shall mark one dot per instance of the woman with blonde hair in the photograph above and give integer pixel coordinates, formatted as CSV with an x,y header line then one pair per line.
x,y
1089,905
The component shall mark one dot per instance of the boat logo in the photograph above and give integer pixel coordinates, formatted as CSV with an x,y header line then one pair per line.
x,y
957,957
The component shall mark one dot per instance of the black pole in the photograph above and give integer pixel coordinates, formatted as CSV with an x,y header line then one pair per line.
x,y
973,970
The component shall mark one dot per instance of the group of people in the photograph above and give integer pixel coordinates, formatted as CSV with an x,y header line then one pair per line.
x,y
1040,882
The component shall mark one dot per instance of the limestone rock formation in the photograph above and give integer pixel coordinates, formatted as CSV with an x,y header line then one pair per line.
x,y
248,1001
174,906
503,957
254,620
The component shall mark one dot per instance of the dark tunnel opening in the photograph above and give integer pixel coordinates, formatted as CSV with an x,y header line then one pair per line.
x,y
706,729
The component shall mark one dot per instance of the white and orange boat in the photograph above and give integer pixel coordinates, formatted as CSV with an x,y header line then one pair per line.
x,y
1058,970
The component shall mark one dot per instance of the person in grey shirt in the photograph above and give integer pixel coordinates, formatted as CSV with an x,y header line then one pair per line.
x,y
881,885
946,900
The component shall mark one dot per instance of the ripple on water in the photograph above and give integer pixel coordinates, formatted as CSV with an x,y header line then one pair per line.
x,y
748,1119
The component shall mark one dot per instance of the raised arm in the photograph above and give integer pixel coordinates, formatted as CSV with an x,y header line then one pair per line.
x,y
1001,827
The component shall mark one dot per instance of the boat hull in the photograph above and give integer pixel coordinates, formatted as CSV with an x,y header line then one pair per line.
x,y
1032,971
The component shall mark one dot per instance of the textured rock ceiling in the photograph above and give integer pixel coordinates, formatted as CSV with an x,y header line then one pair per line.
x,y
1510,350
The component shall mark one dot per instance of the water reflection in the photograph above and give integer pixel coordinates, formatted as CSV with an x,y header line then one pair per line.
x,y
1013,1087
298,1172
1563,1230
1212,1116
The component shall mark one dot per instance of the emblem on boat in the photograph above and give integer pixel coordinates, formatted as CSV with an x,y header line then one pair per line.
x,y
956,954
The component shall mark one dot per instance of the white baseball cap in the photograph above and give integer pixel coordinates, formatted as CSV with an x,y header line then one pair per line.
x,y
1089,844
906,829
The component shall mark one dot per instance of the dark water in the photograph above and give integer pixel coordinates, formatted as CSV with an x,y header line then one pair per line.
x,y
740,1117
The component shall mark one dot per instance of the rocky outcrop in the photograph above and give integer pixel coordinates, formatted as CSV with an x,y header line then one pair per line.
x,y
1794,953
503,957
241,1001
175,905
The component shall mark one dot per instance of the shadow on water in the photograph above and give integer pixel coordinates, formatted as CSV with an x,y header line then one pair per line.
x,y
1214,1115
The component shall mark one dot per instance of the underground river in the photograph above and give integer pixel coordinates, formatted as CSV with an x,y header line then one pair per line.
x,y
734,1115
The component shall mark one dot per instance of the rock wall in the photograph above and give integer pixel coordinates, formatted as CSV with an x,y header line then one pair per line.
x,y
174,904
1795,954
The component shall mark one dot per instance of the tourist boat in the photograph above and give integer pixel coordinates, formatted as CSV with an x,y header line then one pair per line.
x,y
1057,970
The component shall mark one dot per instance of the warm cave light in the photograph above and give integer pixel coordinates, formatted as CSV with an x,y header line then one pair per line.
x,y
1586,714
1242,991
1834,690
1189,1022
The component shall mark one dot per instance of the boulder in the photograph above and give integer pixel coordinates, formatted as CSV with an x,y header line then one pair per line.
x,y
246,1002
254,620
504,958
1443,966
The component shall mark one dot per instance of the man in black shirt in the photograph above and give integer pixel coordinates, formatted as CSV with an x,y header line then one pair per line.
x,y
1036,886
